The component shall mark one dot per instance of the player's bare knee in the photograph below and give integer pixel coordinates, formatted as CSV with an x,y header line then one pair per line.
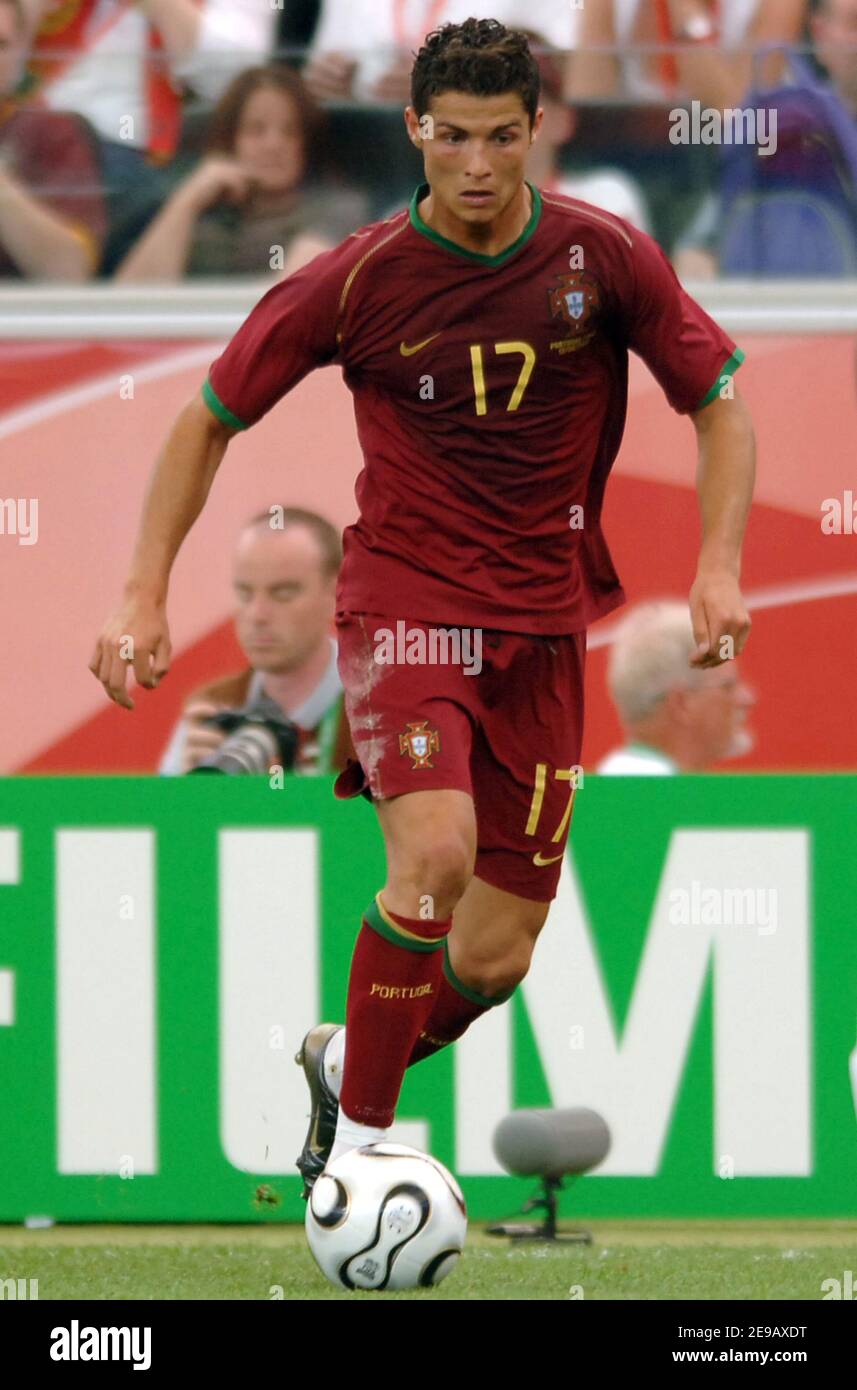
x,y
438,869
445,866
494,969
494,978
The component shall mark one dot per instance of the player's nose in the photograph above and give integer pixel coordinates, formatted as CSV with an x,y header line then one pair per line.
x,y
478,166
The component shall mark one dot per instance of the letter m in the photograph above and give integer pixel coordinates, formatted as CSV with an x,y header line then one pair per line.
x,y
631,1072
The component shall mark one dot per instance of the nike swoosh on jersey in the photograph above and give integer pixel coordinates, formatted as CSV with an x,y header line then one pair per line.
x,y
418,347
541,863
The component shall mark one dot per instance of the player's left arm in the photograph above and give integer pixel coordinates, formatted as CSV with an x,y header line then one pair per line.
x,y
695,362
724,484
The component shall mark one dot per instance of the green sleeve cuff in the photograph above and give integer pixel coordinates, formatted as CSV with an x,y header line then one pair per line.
x,y
728,369
216,406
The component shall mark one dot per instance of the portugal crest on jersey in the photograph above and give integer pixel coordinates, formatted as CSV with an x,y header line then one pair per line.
x,y
420,742
574,299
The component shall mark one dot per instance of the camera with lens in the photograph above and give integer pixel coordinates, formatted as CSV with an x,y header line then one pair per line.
x,y
255,742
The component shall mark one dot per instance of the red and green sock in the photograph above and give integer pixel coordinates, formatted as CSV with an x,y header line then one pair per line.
x,y
396,973
456,1007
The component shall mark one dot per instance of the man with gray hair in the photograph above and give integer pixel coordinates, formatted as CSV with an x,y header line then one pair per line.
x,y
676,718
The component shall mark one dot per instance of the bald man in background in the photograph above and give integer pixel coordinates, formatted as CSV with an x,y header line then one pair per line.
x,y
676,718
284,578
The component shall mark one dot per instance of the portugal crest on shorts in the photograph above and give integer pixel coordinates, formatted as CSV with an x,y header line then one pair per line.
x,y
575,299
420,742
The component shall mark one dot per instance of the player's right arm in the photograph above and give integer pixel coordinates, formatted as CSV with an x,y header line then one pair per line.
x,y
137,633
292,330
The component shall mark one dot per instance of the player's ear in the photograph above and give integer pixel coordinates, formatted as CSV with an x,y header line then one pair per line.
x,y
412,126
677,705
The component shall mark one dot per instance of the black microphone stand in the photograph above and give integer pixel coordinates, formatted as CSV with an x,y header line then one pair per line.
x,y
547,1230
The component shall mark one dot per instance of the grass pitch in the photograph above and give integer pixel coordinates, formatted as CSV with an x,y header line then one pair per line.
x,y
629,1260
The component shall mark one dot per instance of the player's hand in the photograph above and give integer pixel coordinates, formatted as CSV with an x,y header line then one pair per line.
x,y
330,75
201,740
137,635
718,613
216,179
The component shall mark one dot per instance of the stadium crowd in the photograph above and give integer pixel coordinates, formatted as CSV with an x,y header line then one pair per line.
x,y
149,140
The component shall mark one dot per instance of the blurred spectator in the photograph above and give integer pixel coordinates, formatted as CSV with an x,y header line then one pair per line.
x,y
124,65
297,22
713,58
284,575
365,48
52,215
111,60
676,718
605,187
250,205
792,212
834,34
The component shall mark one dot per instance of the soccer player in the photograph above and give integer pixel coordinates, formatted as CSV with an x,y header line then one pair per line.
x,y
484,333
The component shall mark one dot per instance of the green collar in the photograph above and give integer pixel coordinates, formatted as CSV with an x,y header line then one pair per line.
x,y
420,226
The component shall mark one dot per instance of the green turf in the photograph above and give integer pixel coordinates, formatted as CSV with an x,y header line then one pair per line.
x,y
633,1261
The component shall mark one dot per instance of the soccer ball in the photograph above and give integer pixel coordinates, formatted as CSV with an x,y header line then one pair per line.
x,y
386,1216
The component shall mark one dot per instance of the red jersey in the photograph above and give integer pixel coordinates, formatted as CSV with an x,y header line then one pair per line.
x,y
490,395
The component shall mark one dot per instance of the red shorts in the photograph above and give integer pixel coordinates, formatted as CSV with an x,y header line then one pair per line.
x,y
510,736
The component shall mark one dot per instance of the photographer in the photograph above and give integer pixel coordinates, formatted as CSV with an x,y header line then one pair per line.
x,y
285,709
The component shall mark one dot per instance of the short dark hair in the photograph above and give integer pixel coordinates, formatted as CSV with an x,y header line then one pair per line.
x,y
481,57
327,536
